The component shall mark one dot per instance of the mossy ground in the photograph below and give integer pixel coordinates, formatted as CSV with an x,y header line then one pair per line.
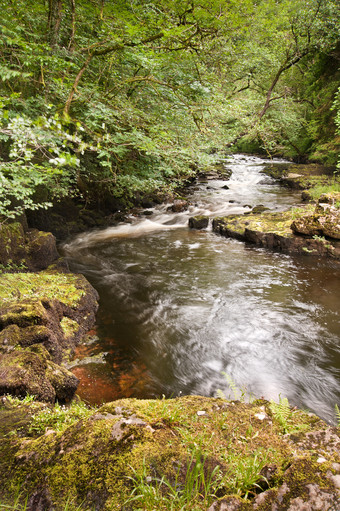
x,y
123,450
46,285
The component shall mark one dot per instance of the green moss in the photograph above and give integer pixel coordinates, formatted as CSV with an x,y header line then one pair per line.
x,y
69,327
24,313
277,223
64,287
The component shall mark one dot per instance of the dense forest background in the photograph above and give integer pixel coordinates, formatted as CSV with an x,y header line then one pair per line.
x,y
123,97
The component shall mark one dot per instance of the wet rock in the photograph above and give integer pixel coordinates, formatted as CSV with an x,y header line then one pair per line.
x,y
147,204
259,209
198,222
225,187
179,206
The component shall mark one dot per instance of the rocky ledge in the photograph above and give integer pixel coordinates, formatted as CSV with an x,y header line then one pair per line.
x,y
43,315
189,453
309,230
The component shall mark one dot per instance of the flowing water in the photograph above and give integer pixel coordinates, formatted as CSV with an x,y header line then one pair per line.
x,y
180,309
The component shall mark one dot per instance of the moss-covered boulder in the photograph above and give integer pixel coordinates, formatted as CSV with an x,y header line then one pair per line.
x,y
32,250
188,453
323,221
31,371
48,309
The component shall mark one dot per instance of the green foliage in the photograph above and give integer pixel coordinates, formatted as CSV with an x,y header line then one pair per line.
x,y
285,416
128,97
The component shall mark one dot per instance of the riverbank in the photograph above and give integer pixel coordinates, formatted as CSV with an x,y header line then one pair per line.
x,y
43,315
308,230
188,453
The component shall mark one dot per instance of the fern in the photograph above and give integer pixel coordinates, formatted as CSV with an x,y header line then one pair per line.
x,y
337,414
232,385
282,413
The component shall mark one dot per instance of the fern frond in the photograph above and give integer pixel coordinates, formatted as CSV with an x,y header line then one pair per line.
x,y
337,413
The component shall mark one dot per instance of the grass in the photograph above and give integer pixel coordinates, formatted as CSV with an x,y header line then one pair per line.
x,y
59,417
332,187
197,490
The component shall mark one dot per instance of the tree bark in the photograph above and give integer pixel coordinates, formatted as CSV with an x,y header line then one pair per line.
x,y
73,25
54,20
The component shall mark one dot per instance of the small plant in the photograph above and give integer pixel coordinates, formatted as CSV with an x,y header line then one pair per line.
x,y
337,414
319,238
282,413
239,394
59,417
17,401
247,475
286,416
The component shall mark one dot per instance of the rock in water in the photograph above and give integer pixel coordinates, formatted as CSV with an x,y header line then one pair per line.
x,y
198,222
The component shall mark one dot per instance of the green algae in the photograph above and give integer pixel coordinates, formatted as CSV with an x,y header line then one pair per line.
x,y
63,287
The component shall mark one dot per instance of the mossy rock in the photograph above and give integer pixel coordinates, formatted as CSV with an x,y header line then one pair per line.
x,y
13,336
25,313
32,372
31,250
104,460
43,317
323,221
274,231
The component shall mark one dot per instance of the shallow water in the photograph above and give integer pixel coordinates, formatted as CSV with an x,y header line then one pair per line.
x,y
179,308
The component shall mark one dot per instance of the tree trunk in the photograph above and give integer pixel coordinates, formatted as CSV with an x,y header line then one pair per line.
x,y
54,20
73,25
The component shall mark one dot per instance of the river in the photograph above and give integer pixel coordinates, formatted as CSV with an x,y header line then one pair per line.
x,y
190,312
